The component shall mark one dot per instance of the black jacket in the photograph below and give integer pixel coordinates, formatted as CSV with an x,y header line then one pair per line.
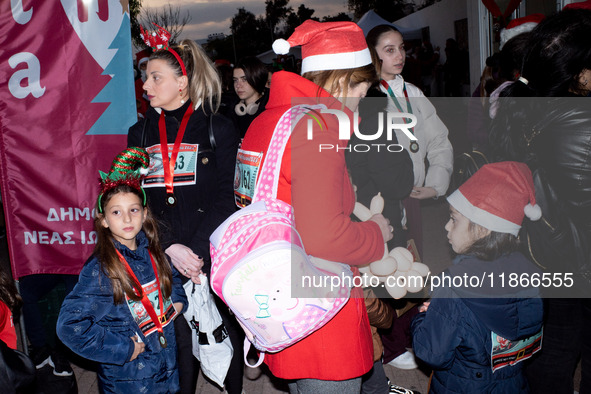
x,y
242,122
390,173
556,145
201,207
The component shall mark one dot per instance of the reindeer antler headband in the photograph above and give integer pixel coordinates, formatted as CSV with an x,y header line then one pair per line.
x,y
159,40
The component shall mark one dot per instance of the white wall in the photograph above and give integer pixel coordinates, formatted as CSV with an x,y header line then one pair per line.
x,y
440,18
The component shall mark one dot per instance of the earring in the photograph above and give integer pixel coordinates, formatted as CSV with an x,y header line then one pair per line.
x,y
181,94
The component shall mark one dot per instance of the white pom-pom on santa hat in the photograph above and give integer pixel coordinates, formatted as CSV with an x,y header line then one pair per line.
x,y
498,196
518,26
281,46
144,170
533,212
327,46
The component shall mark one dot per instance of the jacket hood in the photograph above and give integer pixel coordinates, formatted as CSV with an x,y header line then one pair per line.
x,y
287,86
512,312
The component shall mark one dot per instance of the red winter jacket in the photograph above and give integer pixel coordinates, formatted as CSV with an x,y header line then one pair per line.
x,y
317,185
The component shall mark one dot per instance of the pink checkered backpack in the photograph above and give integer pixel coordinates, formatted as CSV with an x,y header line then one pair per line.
x,y
260,269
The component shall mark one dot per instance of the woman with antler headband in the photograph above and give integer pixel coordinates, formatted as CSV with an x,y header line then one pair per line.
x,y
190,184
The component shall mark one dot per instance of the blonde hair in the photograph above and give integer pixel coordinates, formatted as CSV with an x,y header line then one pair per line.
x,y
204,80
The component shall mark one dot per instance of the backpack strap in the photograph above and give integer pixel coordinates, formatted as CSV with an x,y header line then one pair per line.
x,y
268,179
246,347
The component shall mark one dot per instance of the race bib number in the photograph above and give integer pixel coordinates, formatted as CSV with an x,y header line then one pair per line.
x,y
505,352
247,168
185,167
140,314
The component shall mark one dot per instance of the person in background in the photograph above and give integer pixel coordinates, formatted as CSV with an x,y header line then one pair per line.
x,y
381,315
140,95
544,120
337,71
10,302
32,289
190,182
432,145
250,77
229,98
387,46
17,371
476,337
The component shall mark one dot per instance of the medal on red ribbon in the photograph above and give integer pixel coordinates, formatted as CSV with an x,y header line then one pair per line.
x,y
157,320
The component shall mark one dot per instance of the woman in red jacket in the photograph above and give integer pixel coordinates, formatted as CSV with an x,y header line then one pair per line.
x,y
336,71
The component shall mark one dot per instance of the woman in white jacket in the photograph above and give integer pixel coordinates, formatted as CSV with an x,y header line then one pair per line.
x,y
386,46
432,145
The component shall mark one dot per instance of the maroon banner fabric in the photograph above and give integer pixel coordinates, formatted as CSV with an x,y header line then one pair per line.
x,y
52,94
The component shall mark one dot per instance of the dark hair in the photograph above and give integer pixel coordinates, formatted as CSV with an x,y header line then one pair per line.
x,y
511,56
491,246
8,293
558,51
225,72
105,251
372,39
255,72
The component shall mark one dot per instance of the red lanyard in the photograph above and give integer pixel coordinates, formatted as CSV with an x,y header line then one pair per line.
x,y
169,163
157,320
414,146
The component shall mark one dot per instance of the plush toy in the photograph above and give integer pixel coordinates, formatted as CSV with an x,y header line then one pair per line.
x,y
396,269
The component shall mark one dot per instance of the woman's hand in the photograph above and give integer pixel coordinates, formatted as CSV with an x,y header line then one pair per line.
x,y
138,347
384,223
184,260
425,306
423,193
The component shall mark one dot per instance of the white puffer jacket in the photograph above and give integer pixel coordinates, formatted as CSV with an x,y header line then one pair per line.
x,y
431,133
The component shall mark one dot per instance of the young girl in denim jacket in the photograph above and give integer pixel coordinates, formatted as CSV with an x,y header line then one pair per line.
x,y
121,311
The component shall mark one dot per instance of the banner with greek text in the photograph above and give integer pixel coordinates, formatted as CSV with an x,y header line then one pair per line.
x,y
66,103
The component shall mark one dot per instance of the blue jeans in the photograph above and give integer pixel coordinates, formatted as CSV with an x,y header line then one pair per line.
x,y
566,338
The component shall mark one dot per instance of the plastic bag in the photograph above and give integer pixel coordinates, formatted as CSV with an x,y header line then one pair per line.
x,y
211,344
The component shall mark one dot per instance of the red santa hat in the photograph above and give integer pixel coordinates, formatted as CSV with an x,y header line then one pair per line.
x,y
327,46
520,25
142,57
579,5
498,196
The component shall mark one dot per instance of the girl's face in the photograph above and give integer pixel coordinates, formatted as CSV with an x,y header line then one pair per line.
x,y
162,86
124,216
459,234
243,88
390,49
